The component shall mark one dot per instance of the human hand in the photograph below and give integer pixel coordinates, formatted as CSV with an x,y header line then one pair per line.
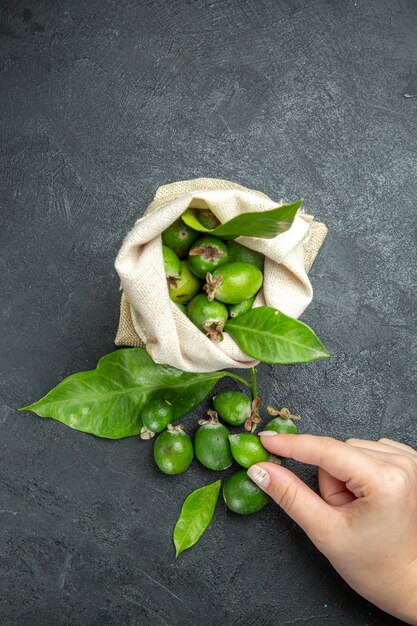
x,y
365,521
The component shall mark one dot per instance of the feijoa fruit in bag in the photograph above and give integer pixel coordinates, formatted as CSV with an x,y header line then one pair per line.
x,y
187,285
156,415
242,496
172,265
173,450
241,307
233,407
209,317
179,237
237,252
206,254
211,444
207,218
233,282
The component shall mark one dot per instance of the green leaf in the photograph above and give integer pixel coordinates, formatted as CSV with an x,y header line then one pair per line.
x,y
273,337
107,401
265,224
196,514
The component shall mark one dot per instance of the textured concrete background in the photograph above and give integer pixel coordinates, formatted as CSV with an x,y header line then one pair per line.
x,y
101,102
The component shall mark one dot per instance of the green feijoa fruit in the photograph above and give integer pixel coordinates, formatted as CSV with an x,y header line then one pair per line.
x,y
181,307
209,317
241,307
281,425
173,450
179,237
156,415
211,444
233,407
172,265
207,219
233,282
242,496
237,252
206,254
247,449
187,285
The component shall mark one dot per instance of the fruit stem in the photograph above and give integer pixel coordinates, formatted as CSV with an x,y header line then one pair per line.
x,y
254,419
239,378
253,386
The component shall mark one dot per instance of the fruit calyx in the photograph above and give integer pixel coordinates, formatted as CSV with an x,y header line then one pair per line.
x,y
283,413
178,428
254,417
214,418
214,331
172,281
145,433
212,284
209,252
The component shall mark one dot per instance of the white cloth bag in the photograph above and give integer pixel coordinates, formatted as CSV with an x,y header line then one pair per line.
x,y
157,323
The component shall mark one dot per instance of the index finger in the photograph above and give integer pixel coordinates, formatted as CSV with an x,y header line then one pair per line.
x,y
339,459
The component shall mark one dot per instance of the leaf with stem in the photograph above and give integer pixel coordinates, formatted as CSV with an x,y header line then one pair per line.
x,y
196,514
108,401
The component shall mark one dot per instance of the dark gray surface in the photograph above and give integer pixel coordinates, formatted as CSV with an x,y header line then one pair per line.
x,y
100,103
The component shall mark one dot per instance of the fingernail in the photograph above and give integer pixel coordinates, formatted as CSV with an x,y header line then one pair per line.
x,y
268,433
259,476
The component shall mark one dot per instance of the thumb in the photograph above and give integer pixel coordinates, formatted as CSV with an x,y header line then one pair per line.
x,y
304,506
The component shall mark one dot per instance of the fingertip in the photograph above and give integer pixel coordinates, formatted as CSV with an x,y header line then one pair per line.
x,y
268,438
266,474
271,434
273,441
259,476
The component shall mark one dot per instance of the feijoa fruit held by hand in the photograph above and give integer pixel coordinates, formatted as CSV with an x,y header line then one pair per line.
x,y
237,252
206,254
209,317
282,422
242,496
280,425
187,285
172,265
233,407
207,218
211,444
156,415
179,237
247,449
173,450
233,282
241,307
